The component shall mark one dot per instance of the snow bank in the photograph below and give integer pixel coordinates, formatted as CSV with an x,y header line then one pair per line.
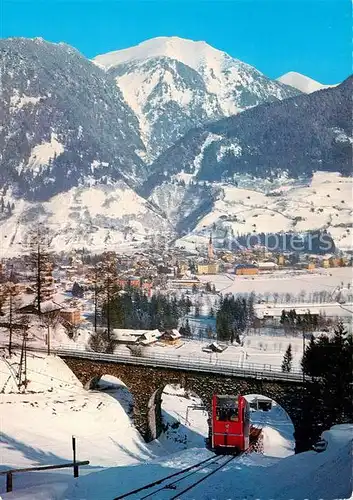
x,y
36,427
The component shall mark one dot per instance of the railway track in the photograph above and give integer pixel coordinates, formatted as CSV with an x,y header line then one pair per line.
x,y
175,485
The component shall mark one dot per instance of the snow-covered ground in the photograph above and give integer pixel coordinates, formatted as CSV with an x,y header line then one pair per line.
x,y
324,203
308,475
282,282
98,217
277,428
114,217
37,426
258,352
184,419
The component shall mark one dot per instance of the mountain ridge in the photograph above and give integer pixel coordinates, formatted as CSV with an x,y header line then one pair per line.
x,y
74,145
175,84
64,120
313,132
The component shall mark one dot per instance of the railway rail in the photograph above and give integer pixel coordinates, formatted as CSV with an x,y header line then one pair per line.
x,y
176,482
175,485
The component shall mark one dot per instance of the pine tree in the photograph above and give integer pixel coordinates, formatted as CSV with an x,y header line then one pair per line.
x,y
77,290
185,330
287,360
329,361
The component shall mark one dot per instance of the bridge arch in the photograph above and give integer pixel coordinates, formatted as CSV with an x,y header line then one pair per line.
x,y
146,384
166,413
278,428
114,387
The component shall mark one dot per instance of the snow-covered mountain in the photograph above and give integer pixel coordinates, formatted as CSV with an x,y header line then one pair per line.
x,y
73,150
301,82
294,137
99,218
174,84
64,122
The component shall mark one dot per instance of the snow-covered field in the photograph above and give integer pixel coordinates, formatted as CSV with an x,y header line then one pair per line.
x,y
36,428
258,352
282,282
103,217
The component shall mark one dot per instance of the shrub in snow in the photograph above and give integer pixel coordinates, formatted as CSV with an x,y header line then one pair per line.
x,y
101,341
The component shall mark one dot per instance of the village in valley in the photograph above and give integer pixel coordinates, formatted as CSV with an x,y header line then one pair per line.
x,y
247,305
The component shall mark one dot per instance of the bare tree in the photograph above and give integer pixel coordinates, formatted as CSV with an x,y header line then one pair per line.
x,y
108,286
10,293
50,319
40,263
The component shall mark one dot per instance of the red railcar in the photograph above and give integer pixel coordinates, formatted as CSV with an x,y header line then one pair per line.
x,y
230,426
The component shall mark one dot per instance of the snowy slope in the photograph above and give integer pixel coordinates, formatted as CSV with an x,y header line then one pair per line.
x,y
293,137
97,218
301,82
174,84
37,426
324,203
102,217
308,475
183,202
185,423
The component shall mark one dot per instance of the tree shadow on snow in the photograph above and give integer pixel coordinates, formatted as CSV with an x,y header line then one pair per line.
x,y
178,435
141,455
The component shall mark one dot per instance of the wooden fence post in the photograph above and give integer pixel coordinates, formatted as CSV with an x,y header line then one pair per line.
x,y
8,482
74,456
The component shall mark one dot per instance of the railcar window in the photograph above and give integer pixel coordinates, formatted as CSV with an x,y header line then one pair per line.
x,y
227,414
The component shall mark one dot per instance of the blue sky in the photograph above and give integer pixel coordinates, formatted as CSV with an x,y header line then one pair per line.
x,y
309,36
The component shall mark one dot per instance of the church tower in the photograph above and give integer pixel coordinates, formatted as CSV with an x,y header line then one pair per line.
x,y
210,251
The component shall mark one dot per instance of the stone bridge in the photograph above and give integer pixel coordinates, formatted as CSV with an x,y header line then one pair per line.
x,y
146,385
